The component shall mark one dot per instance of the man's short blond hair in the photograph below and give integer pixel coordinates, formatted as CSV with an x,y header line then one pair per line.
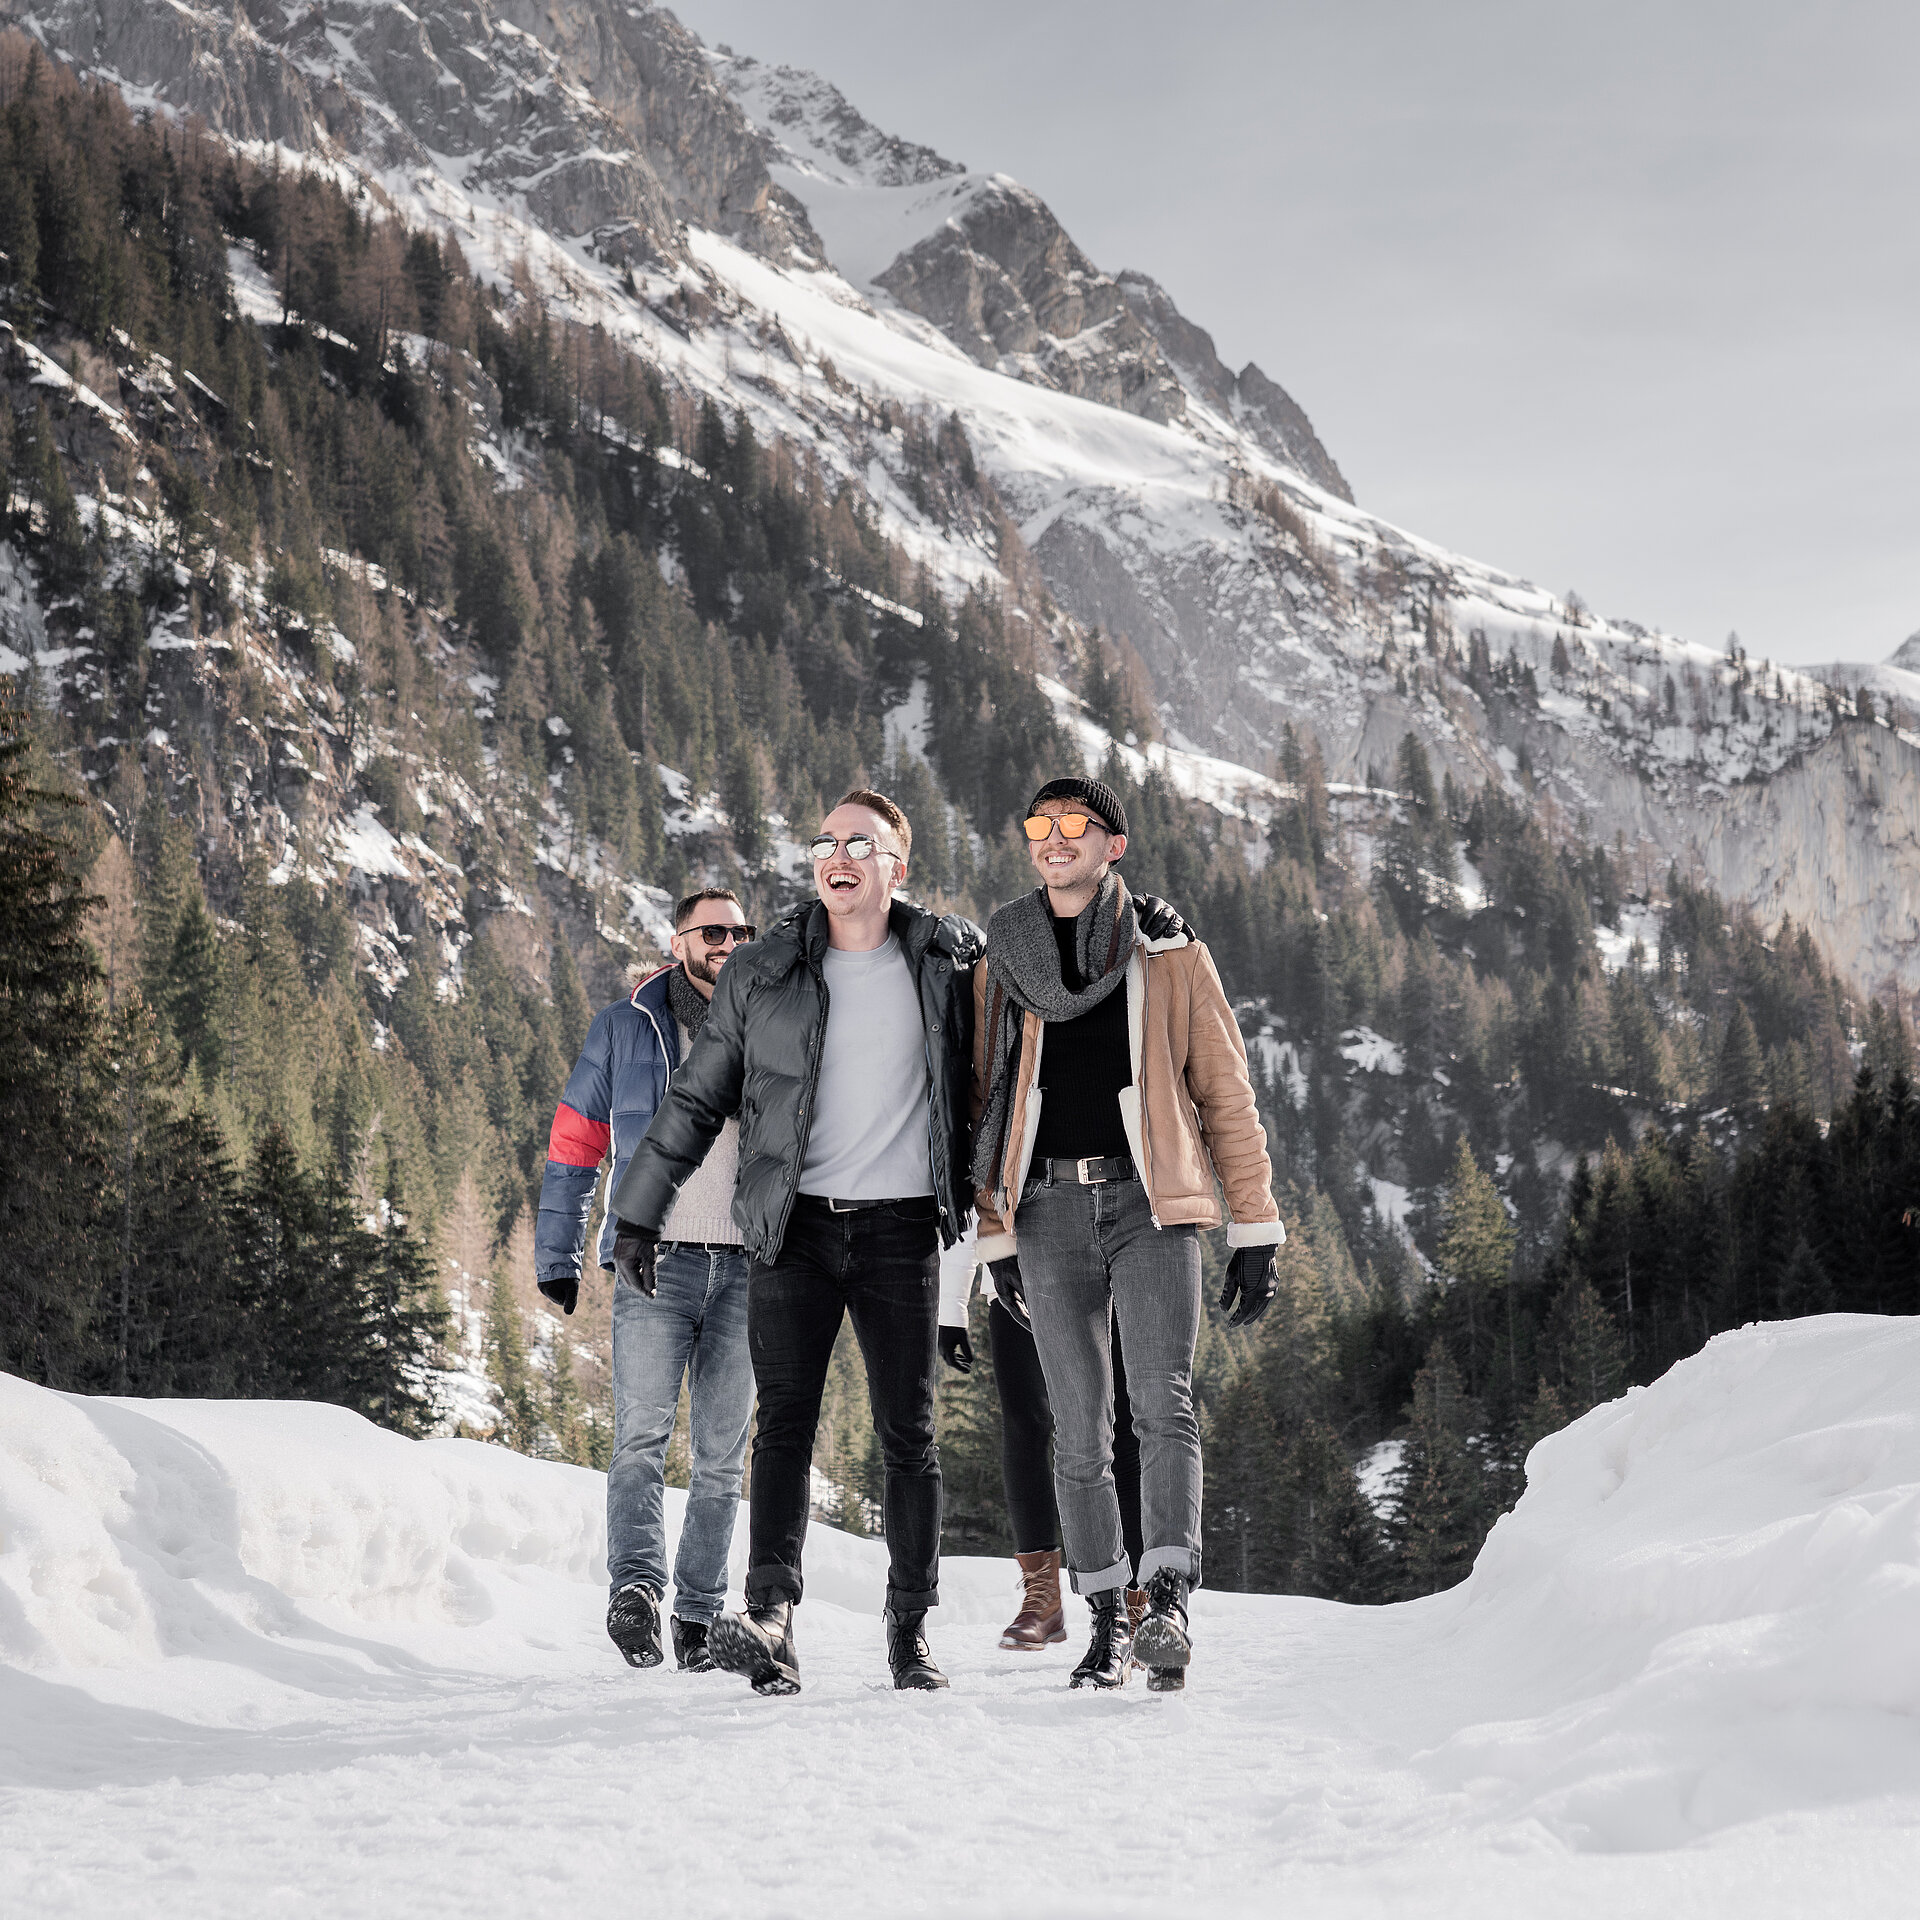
x,y
888,810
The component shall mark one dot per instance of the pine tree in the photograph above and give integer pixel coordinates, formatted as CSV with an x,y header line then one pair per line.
x,y
53,1125
1742,1073
404,1319
1804,1285
1476,1254
1444,1493
1333,1536
1476,1241
1588,1356
507,1367
1238,1516
566,1424
1546,1413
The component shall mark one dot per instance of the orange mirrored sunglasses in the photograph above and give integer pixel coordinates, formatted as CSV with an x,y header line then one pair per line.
x,y
1071,825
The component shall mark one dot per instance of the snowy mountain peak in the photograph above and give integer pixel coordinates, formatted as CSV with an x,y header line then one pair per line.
x,y
1256,404
815,128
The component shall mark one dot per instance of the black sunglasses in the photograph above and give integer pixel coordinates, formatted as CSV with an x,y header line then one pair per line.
x,y
718,931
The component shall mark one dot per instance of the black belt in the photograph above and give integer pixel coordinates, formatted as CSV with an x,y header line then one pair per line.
x,y
863,1206
704,1246
1094,1172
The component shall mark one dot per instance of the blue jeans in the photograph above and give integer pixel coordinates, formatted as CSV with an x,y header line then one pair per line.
x,y
695,1325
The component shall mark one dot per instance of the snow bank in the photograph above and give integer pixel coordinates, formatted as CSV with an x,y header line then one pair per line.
x,y
249,1649
1708,1601
134,1531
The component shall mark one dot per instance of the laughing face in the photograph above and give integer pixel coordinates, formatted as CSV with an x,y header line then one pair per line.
x,y
852,888
1071,868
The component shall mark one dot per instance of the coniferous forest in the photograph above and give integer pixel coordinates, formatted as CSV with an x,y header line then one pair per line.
x,y
383,543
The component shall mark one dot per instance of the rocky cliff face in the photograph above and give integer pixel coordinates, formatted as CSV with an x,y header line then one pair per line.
x,y
1263,408
1005,283
1834,841
600,119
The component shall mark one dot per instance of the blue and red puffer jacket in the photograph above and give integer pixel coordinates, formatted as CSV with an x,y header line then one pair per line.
x,y
631,1053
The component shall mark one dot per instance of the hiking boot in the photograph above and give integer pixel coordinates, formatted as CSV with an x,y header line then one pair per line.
x,y
759,1645
1042,1619
908,1654
1161,1642
690,1651
1105,1662
633,1625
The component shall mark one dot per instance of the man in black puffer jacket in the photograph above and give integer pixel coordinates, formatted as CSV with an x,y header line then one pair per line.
x,y
844,1042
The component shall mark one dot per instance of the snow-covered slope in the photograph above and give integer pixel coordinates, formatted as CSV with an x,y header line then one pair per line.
x,y
252,1651
837,267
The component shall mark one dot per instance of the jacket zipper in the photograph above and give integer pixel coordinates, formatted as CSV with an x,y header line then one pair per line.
x,y
660,1041
813,1090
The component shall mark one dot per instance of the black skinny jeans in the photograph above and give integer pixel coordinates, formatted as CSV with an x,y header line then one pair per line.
x,y
881,1265
1026,1432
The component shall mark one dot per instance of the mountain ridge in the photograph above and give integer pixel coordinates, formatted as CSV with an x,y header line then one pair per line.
x,y
1153,492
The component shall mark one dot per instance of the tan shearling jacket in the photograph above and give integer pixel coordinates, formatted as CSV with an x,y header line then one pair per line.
x,y
1189,1112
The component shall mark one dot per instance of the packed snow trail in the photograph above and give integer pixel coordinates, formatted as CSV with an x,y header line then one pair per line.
x,y
266,1658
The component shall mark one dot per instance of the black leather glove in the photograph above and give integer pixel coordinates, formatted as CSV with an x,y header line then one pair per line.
x,y
956,1349
635,1249
563,1290
1251,1274
1008,1288
1159,921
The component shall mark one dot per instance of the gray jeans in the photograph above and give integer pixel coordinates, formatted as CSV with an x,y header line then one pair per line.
x,y
1090,1256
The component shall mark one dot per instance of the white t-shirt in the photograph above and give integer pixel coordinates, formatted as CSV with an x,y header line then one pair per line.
x,y
869,1138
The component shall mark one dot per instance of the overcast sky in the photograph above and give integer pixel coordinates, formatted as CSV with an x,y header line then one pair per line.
x,y
1623,296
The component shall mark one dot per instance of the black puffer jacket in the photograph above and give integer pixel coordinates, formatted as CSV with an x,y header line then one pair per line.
x,y
759,1056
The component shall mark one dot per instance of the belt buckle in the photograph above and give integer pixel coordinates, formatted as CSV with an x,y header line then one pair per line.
x,y
1087,1179
834,1206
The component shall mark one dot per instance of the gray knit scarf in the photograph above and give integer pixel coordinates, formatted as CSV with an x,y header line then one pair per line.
x,y
1023,976
690,1006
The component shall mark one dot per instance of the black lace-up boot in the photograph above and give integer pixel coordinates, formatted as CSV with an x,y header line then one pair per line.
x,y
1105,1662
1161,1645
908,1653
633,1625
759,1645
690,1652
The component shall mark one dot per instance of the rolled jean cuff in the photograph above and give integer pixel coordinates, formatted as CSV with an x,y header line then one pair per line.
x,y
696,1616
902,1601
773,1582
1185,1561
1120,1574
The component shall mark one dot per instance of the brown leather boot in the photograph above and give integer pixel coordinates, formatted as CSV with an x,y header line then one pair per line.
x,y
1042,1620
1136,1610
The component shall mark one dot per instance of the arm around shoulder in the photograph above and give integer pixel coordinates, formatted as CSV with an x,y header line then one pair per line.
x,y
704,1096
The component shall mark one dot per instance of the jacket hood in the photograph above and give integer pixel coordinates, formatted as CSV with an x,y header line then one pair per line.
x,y
651,994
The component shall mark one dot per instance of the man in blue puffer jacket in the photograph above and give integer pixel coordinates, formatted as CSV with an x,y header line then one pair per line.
x,y
691,1323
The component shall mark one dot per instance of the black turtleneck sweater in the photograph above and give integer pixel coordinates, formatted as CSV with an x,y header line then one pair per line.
x,y
1083,1065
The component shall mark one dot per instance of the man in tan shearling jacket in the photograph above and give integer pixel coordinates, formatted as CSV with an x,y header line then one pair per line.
x,y
1110,1088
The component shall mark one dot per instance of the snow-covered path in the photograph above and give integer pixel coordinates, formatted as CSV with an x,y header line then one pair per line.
x,y
265,1659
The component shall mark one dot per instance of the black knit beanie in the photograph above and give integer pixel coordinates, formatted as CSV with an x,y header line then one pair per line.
x,y
1096,796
